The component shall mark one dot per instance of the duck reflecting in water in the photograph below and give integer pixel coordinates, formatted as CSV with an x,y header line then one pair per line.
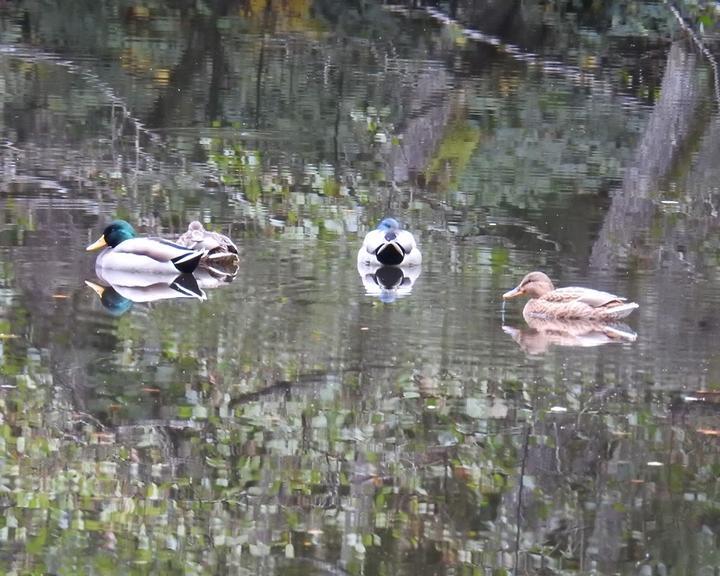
x,y
389,261
389,245
388,283
571,303
118,290
572,316
132,269
542,333
125,251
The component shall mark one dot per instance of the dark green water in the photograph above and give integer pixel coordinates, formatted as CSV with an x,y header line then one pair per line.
x,y
293,423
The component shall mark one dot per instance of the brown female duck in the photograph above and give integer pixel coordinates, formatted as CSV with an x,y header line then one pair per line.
x,y
221,255
571,303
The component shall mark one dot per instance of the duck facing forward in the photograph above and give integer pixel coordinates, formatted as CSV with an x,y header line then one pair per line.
x,y
571,303
389,245
125,251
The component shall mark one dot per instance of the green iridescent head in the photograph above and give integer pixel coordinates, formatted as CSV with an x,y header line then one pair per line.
x,y
116,232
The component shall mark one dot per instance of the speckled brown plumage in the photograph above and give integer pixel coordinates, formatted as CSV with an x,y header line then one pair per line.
x,y
221,254
572,303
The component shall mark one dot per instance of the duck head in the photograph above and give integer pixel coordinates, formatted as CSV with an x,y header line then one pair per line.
x,y
534,284
116,232
389,243
198,238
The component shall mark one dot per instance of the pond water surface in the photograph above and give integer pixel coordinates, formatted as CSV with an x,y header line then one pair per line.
x,y
302,419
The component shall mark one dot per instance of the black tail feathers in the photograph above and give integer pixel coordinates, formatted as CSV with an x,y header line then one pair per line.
x,y
186,263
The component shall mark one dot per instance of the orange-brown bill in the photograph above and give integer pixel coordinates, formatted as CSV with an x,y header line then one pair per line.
x,y
517,291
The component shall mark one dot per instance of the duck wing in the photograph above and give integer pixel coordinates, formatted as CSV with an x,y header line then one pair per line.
x,y
373,240
223,242
162,251
587,296
406,240
156,248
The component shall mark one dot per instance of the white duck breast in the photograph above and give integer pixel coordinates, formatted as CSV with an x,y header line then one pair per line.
x,y
395,248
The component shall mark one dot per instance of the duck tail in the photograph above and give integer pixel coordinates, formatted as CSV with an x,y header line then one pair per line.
x,y
617,312
620,332
186,263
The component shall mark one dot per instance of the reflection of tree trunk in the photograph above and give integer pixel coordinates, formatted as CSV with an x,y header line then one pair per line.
x,y
521,482
422,130
219,72
204,38
670,124
694,236
258,81
338,108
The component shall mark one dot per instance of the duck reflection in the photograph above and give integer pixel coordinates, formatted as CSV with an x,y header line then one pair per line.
x,y
136,269
388,283
118,297
118,290
541,334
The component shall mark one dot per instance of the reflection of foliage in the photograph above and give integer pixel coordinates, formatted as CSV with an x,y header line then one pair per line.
x,y
453,153
277,477
285,15
377,122
239,168
337,154
305,201
582,20
540,143
281,420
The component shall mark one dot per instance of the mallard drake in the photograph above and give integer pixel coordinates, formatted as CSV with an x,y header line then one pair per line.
x,y
389,245
541,334
572,303
221,252
125,251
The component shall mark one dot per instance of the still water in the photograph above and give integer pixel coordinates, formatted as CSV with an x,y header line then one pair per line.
x,y
300,419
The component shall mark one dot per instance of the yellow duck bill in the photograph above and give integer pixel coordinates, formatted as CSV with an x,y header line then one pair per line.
x,y
99,243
